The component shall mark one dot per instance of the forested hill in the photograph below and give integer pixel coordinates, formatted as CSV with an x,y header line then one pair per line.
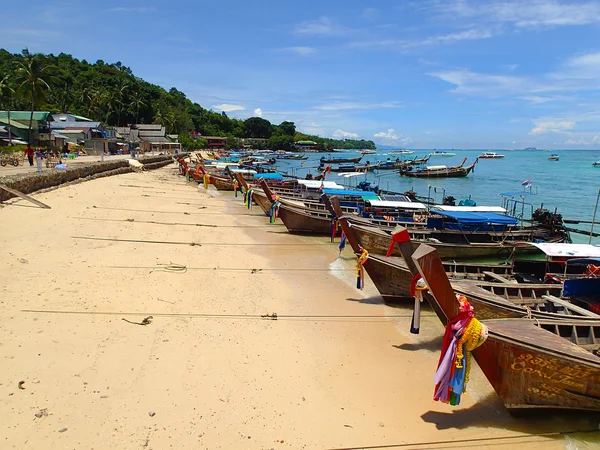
x,y
112,94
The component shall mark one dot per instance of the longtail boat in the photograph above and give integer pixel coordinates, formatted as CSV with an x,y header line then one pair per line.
x,y
531,364
376,240
356,159
440,171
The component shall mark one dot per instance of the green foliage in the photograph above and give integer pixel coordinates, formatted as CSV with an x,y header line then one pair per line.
x,y
112,94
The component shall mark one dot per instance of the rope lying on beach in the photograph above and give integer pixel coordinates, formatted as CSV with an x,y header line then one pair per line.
x,y
231,269
221,316
101,219
199,244
428,444
179,212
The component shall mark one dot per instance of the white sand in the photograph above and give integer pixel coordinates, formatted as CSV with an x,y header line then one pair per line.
x,y
212,382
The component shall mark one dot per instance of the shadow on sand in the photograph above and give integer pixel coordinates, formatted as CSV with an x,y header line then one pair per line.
x,y
433,344
376,300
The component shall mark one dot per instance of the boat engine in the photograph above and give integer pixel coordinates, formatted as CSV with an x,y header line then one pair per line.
x,y
449,201
411,195
545,217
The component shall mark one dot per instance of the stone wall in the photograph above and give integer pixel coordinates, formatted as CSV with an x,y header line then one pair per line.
x,y
35,181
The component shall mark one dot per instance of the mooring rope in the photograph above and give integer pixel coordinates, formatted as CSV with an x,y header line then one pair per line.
x,y
154,222
200,244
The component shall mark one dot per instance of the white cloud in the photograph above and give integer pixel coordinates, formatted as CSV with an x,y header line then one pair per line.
x,y
552,126
322,26
580,141
341,134
539,100
227,107
488,85
300,51
390,136
520,14
139,9
258,112
405,44
346,105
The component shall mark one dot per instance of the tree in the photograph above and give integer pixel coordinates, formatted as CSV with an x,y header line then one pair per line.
x,y
33,73
137,102
6,93
257,127
281,142
288,128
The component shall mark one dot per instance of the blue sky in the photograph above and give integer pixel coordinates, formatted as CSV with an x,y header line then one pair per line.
x,y
422,74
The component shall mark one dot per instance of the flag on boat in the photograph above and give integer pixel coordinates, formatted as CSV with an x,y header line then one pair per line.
x,y
527,183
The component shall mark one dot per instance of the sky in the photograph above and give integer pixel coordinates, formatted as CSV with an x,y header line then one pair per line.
x,y
495,74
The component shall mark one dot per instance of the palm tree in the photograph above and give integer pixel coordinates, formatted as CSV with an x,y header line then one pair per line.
x,y
32,71
137,102
6,88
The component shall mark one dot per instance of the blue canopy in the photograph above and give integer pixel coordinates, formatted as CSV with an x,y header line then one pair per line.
x,y
268,176
363,194
479,218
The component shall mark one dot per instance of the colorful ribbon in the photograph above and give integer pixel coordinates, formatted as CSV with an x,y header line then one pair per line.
x,y
360,271
248,198
342,245
206,180
398,237
274,215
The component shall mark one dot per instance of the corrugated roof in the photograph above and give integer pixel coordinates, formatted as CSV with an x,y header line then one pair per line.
x,y
155,139
72,131
144,133
149,126
25,115
58,125
14,123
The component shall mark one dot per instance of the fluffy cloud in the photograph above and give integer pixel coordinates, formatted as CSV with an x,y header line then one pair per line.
x,y
227,107
391,136
322,26
258,112
341,134
551,126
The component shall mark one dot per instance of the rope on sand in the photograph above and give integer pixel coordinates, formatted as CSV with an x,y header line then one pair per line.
x,y
102,219
217,316
238,269
199,244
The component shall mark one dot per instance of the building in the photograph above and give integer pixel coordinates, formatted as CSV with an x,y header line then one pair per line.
x,y
18,125
212,141
148,138
306,146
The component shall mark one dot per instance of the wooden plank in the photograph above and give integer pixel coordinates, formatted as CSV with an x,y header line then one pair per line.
x,y
496,277
570,306
24,196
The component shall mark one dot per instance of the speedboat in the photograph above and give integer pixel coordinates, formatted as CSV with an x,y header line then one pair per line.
x,y
401,152
442,154
553,157
490,155
368,152
596,164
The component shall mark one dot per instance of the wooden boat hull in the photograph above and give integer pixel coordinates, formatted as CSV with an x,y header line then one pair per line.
x,y
377,241
528,366
221,184
443,173
340,160
299,221
262,201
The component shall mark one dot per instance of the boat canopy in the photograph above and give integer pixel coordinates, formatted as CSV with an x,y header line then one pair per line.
x,y
479,218
494,209
244,171
316,184
268,176
436,167
350,174
396,204
572,250
363,194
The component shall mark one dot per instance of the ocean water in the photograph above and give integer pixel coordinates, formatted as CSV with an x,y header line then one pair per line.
x,y
569,185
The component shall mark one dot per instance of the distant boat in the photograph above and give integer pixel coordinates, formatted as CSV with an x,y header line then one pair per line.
x,y
368,152
553,157
442,154
401,152
530,149
490,155
596,164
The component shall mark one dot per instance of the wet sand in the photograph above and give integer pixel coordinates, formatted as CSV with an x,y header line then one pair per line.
x,y
338,369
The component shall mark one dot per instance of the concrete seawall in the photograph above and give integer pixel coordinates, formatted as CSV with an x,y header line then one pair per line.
x,y
31,182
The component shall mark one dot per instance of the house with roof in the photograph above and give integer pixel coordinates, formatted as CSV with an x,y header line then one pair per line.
x,y
80,130
213,142
18,125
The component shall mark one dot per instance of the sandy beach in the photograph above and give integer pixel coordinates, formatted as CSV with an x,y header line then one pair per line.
x,y
337,369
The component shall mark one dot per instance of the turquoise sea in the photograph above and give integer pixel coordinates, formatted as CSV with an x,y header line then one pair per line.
x,y
570,185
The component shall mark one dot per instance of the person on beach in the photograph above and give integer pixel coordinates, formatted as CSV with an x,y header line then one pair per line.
x,y
29,152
